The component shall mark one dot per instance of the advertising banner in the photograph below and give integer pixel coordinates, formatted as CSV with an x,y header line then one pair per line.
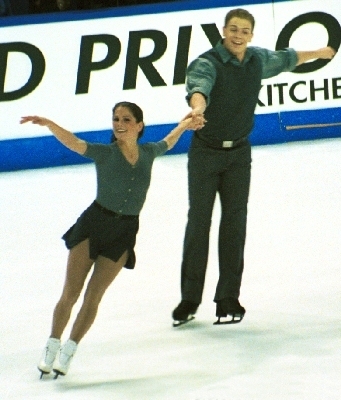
x,y
72,67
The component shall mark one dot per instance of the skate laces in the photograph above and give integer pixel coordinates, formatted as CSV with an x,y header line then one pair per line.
x,y
51,349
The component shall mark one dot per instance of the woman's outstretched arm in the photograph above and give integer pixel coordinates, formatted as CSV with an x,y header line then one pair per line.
x,y
67,138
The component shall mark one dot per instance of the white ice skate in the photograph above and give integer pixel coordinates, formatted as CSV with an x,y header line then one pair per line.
x,y
64,357
48,356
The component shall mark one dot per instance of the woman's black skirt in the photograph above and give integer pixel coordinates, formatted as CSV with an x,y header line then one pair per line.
x,y
109,234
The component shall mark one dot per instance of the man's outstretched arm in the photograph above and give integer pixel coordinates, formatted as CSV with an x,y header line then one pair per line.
x,y
326,53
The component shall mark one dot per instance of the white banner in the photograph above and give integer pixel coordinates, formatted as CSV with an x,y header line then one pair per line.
x,y
75,71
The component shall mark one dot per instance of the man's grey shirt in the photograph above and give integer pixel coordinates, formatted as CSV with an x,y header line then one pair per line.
x,y
201,73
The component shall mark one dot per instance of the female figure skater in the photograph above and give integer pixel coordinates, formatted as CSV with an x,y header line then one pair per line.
x,y
105,233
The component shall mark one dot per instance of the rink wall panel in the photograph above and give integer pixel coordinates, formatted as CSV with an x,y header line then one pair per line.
x,y
46,151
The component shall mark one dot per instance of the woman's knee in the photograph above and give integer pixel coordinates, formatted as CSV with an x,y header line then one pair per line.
x,y
70,295
92,298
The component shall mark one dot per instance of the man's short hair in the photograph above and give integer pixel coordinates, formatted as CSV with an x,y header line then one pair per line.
x,y
240,13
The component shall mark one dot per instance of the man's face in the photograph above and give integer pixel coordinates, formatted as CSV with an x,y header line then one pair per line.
x,y
237,33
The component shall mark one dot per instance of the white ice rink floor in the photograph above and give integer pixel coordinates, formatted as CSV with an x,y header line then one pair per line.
x,y
288,346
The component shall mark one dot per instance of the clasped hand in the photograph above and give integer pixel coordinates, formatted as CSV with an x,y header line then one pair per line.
x,y
194,121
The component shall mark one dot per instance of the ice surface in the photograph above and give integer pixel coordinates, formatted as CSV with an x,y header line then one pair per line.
x,y
288,346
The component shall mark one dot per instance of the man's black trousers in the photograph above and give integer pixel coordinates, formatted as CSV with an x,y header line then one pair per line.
x,y
212,171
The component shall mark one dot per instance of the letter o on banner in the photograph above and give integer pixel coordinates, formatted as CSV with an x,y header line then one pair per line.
x,y
328,21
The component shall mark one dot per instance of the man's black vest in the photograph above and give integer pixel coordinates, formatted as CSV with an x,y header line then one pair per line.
x,y
233,98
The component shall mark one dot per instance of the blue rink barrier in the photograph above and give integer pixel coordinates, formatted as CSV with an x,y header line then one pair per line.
x,y
46,151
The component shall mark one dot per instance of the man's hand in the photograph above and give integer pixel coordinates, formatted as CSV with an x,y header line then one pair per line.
x,y
326,53
193,122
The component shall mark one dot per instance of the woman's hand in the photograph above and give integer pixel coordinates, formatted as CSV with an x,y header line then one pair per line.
x,y
193,121
67,138
35,120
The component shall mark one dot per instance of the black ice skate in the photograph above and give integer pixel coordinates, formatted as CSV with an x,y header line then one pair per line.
x,y
184,312
231,309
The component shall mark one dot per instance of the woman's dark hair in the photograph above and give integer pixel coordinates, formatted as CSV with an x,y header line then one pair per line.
x,y
240,13
134,109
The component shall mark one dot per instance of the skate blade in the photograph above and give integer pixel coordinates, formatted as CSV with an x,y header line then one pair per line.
x,y
179,323
57,373
236,318
42,373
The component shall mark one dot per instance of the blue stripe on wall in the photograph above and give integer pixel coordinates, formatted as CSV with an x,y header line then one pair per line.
x,y
46,151
271,128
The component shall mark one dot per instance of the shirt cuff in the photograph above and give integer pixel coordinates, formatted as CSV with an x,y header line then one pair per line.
x,y
293,59
198,90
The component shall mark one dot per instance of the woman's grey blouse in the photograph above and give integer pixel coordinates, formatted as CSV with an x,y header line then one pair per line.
x,y
121,186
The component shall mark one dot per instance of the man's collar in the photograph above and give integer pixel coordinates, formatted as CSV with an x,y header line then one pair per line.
x,y
226,56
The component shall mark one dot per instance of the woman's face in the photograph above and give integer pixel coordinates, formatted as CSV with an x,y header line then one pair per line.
x,y
125,125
